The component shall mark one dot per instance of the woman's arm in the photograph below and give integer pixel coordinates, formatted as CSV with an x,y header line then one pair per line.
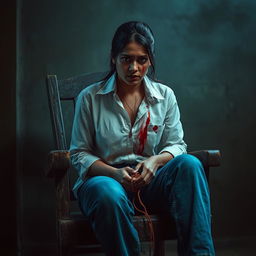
x,y
82,144
172,137
171,143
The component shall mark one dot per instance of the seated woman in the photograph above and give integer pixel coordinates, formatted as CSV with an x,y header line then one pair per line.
x,y
127,136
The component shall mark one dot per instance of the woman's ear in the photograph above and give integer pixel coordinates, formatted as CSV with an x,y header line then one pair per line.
x,y
113,61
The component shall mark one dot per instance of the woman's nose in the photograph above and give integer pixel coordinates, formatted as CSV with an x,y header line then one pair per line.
x,y
133,66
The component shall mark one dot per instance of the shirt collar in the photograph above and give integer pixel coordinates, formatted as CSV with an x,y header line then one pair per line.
x,y
151,90
108,86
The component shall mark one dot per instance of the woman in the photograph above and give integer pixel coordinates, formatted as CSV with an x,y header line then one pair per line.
x,y
127,136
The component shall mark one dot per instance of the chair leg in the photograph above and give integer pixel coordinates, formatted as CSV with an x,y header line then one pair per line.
x,y
64,250
159,248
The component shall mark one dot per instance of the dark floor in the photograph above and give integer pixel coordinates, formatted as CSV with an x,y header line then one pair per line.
x,y
226,247
245,246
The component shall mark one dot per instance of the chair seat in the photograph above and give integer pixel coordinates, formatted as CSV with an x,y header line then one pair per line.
x,y
72,229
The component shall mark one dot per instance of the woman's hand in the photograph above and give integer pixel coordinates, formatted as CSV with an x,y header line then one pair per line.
x,y
149,168
124,176
129,177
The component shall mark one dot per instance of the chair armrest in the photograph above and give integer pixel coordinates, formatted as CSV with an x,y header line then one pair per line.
x,y
209,158
58,163
59,160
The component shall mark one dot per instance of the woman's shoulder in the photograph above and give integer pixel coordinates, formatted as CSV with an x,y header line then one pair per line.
x,y
165,89
91,90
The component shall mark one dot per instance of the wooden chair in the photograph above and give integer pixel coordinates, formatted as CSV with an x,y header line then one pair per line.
x,y
74,233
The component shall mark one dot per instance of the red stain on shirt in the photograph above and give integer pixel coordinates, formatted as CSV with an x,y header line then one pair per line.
x,y
143,133
155,128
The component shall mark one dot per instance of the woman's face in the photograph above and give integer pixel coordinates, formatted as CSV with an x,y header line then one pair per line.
x,y
132,64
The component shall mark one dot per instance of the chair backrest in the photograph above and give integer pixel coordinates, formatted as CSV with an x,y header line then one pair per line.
x,y
63,90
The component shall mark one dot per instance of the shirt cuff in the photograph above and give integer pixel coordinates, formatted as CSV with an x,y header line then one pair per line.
x,y
175,150
82,161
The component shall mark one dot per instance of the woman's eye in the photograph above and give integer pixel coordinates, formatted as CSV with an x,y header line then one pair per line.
x,y
125,59
142,60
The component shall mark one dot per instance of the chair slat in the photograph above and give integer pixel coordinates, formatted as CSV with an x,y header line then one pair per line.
x,y
56,112
69,88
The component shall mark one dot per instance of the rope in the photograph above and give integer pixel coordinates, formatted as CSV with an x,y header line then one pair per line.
x,y
145,213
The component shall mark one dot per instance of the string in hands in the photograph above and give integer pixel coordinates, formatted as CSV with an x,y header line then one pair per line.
x,y
144,209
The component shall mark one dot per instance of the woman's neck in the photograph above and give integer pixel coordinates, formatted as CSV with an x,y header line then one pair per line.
x,y
124,89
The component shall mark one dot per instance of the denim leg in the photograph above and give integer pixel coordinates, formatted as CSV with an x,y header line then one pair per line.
x,y
181,189
104,201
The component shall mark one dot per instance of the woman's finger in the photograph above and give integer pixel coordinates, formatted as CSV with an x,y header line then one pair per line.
x,y
149,176
130,171
138,166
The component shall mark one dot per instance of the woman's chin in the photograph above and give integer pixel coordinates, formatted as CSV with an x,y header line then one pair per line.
x,y
133,82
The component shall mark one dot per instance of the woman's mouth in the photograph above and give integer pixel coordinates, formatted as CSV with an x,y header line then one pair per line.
x,y
134,77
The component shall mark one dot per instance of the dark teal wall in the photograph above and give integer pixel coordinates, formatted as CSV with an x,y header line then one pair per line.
x,y
205,52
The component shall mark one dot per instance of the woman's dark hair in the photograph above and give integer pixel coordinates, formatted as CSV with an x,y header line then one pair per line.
x,y
138,32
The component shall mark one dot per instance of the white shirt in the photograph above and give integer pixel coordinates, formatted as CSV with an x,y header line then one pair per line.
x,y
102,128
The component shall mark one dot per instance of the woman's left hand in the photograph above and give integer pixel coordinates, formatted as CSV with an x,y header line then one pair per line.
x,y
149,168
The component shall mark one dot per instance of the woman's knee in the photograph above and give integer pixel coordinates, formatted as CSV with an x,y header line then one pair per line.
x,y
103,193
189,164
189,160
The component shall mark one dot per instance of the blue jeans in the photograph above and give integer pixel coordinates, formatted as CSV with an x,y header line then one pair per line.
x,y
179,189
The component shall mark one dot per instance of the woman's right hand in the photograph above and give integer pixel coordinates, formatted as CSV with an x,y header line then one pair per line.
x,y
124,176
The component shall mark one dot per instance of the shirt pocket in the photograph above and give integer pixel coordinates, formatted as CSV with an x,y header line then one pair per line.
x,y
154,134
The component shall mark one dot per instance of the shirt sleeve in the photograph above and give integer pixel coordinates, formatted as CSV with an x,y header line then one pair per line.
x,y
172,137
81,147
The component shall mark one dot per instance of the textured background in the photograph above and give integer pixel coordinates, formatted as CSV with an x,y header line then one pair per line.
x,y
205,51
